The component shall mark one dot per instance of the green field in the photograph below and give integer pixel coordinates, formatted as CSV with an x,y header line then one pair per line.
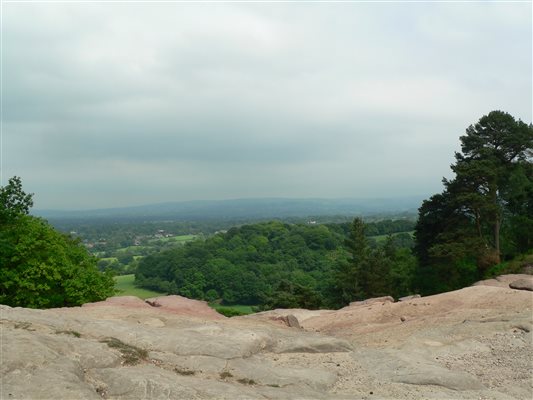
x,y
124,283
110,259
133,249
180,239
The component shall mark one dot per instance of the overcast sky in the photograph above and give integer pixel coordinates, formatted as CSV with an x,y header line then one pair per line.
x,y
108,105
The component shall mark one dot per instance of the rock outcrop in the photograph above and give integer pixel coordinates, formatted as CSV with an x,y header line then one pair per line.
x,y
522,284
471,343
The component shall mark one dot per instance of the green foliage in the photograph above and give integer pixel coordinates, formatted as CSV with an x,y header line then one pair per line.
x,y
13,201
288,294
230,312
372,272
514,266
278,265
247,264
485,213
349,278
40,267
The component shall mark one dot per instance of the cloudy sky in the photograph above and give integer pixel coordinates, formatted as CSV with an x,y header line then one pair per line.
x,y
115,104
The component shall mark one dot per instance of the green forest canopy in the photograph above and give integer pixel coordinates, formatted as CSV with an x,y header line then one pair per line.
x,y
274,265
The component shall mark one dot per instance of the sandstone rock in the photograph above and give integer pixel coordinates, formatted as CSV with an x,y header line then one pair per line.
x,y
288,320
522,284
311,344
407,298
491,282
508,278
265,372
384,299
470,343
301,314
414,369
119,301
504,281
439,377
184,306
292,321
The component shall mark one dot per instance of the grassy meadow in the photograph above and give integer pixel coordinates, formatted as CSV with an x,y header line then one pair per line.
x,y
124,283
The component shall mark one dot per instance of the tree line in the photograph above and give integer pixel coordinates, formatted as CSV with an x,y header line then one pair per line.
x,y
276,264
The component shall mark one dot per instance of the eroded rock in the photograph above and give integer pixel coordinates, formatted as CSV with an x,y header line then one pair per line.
x,y
522,284
373,300
472,343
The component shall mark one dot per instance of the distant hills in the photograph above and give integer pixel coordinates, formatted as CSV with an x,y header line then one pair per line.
x,y
261,208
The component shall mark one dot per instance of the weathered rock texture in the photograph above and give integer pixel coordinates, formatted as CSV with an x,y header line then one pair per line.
x,y
468,344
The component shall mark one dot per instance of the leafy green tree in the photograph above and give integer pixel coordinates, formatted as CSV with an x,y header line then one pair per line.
x,y
13,200
292,295
40,267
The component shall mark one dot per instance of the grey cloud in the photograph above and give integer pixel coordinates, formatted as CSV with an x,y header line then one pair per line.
x,y
252,99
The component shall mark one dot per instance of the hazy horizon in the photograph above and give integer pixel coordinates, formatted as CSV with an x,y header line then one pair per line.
x,y
222,200
117,105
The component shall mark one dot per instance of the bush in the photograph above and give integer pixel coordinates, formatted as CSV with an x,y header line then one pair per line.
x,y
229,312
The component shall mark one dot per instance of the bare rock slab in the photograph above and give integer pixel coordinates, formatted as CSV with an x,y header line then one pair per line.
x,y
522,284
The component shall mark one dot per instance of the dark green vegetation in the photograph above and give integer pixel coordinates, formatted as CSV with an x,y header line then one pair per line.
x,y
233,310
40,267
277,265
485,213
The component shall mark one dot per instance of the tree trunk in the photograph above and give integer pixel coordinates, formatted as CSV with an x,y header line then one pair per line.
x,y
497,224
497,238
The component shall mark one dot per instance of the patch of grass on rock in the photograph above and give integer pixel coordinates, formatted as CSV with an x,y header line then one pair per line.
x,y
246,381
24,325
184,371
226,374
131,355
